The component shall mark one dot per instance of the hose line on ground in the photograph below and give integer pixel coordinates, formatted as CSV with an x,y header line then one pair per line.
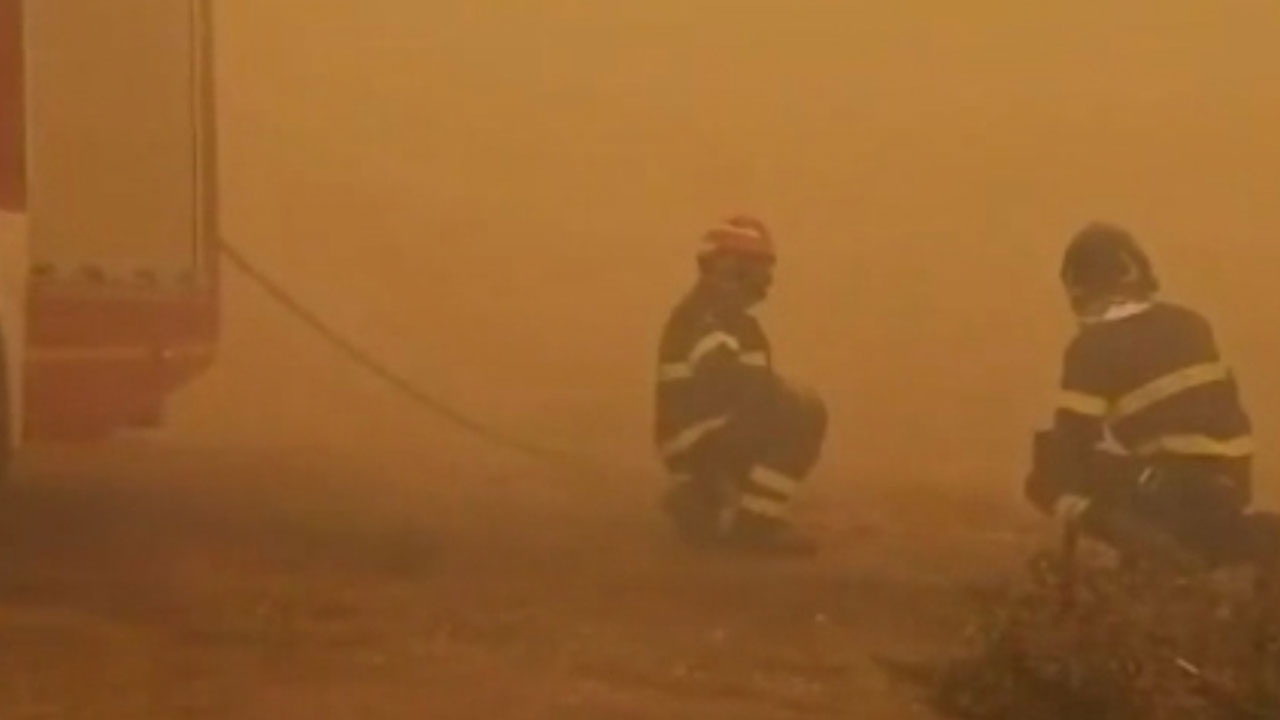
x,y
371,364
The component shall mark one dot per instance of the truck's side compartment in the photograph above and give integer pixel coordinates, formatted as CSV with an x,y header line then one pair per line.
x,y
123,299
14,260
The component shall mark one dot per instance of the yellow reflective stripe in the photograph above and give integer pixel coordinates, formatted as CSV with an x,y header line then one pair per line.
x,y
1070,507
1082,404
690,436
674,371
1167,386
774,481
710,343
1199,445
671,372
767,507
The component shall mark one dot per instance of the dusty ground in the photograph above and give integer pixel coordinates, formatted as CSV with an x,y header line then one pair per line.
x,y
162,582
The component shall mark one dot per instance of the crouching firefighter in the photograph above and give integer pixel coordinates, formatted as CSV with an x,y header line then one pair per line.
x,y
736,439
1150,450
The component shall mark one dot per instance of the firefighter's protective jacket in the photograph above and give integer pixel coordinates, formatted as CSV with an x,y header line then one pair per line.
x,y
713,369
1149,377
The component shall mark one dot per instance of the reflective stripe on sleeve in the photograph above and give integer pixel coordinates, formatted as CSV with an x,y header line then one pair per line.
x,y
690,436
710,343
1082,403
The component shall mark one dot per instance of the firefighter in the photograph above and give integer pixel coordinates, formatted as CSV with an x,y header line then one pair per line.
x,y
1151,448
737,439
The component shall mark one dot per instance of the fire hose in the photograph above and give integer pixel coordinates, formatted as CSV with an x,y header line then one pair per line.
x,y
361,357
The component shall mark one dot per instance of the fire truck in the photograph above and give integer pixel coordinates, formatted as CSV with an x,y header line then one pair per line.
x,y
108,216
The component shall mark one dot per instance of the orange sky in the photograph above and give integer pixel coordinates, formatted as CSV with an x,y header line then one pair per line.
x,y
503,198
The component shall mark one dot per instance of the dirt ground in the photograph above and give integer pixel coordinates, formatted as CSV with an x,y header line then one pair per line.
x,y
145,581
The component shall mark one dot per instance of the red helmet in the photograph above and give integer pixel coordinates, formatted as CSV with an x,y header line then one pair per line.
x,y
739,235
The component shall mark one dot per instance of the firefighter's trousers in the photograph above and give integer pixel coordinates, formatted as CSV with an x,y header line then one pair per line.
x,y
756,463
1139,506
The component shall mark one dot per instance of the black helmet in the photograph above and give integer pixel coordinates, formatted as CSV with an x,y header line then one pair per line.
x,y
1104,260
